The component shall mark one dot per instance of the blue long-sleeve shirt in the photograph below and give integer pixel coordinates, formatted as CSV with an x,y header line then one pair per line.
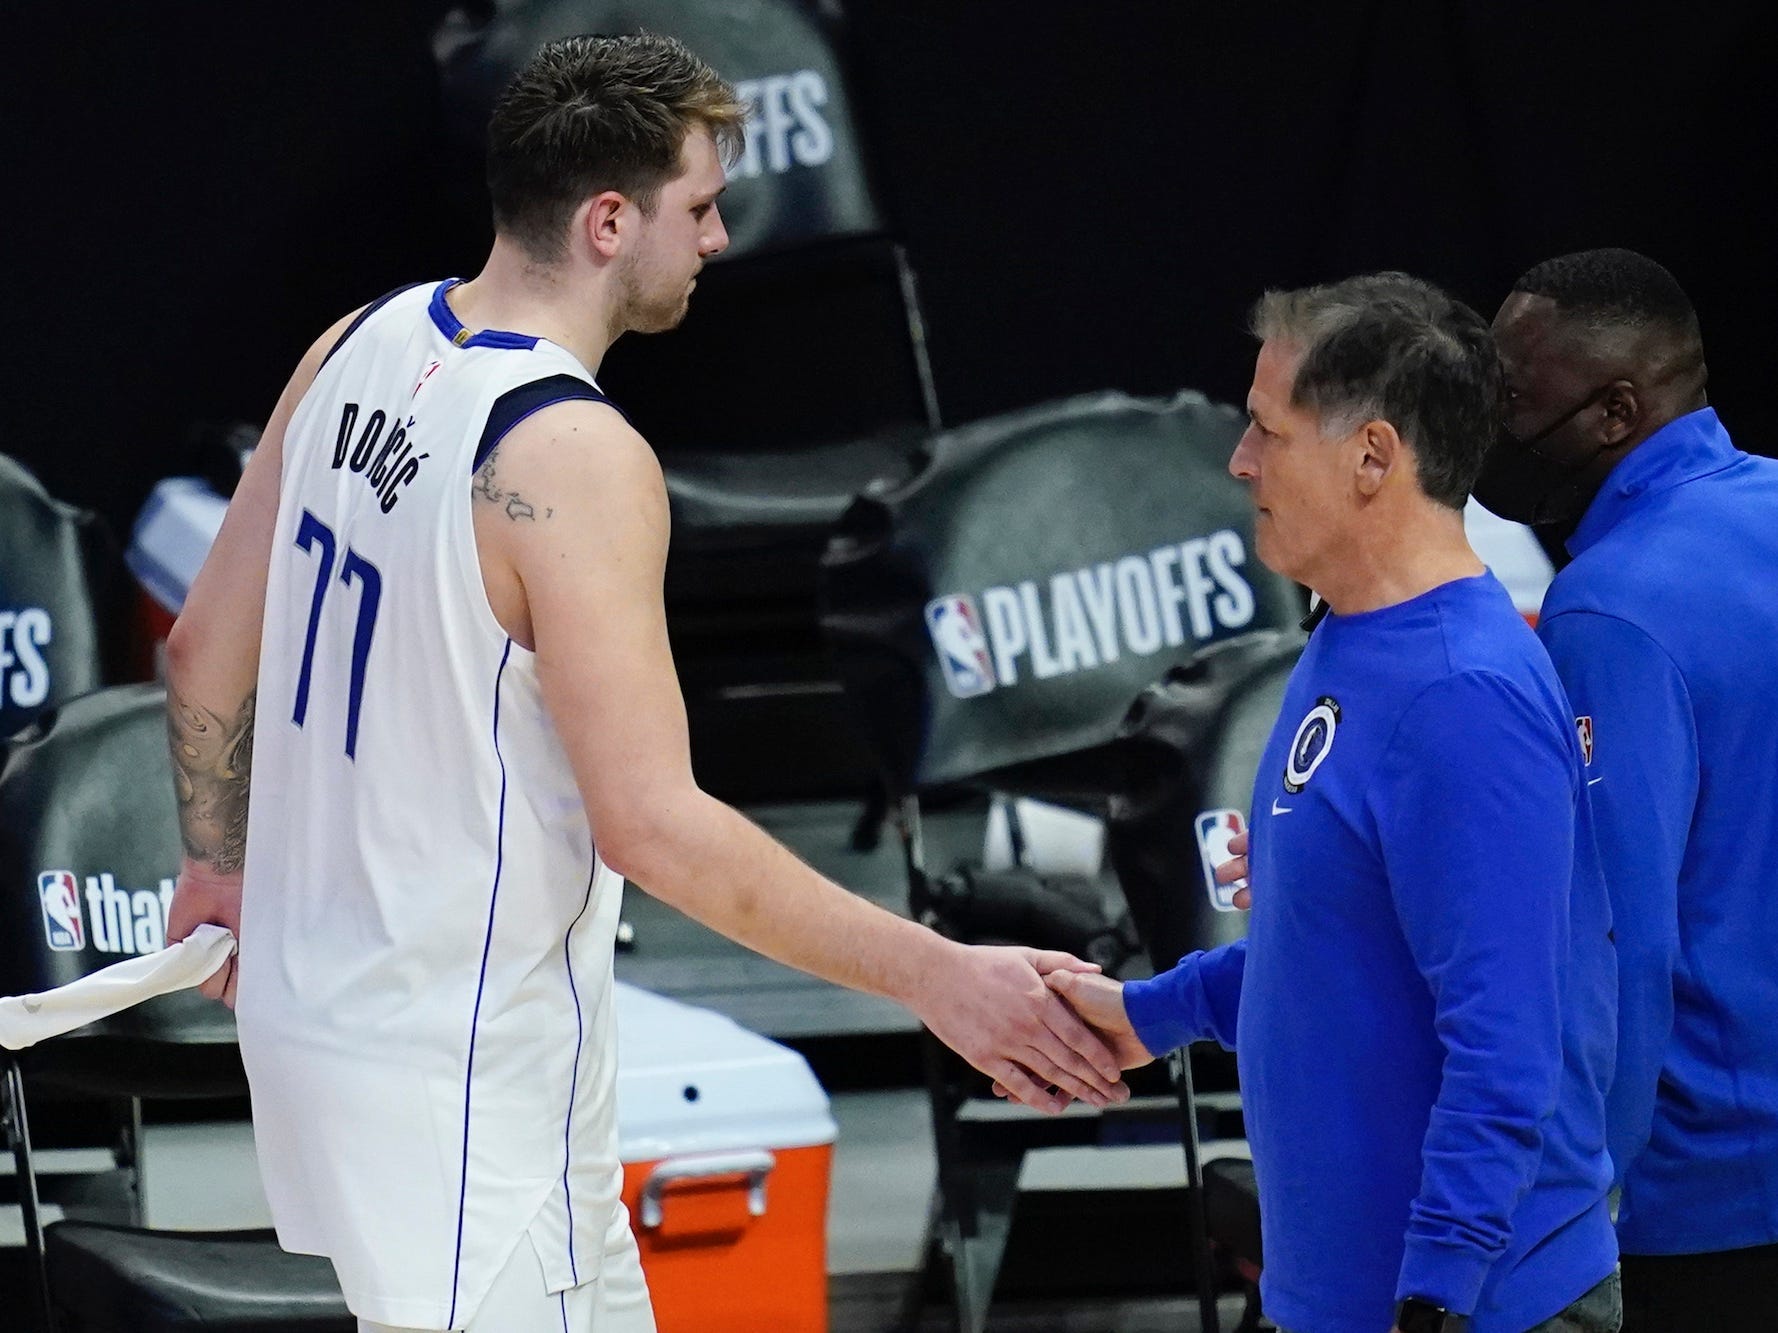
x,y
1423,1009
1664,631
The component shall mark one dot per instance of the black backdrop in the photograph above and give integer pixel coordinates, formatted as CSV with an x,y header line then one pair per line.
x,y
1092,194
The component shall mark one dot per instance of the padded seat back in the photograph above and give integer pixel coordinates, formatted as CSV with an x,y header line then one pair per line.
x,y
1191,746
60,584
801,177
997,615
89,855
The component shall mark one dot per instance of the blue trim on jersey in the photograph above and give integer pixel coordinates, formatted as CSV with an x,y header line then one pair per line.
x,y
574,1071
363,315
481,982
459,336
563,1297
515,405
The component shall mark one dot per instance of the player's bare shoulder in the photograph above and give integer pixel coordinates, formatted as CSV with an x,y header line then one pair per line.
x,y
569,501
571,456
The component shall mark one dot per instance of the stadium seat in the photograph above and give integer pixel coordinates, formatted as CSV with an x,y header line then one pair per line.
x,y
89,848
61,580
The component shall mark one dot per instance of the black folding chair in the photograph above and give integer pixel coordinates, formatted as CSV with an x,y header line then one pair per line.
x,y
88,838
992,621
1191,746
799,378
61,581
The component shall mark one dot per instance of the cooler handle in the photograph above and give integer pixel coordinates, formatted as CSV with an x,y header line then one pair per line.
x,y
756,1166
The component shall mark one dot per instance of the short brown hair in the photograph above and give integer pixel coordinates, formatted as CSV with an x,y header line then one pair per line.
x,y
588,114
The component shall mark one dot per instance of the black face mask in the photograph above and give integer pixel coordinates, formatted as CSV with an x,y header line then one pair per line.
x,y
1519,481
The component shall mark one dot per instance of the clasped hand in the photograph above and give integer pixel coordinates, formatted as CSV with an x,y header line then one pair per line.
x,y
1098,1001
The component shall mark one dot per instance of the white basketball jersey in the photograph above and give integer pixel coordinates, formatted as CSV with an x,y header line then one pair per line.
x,y
426,952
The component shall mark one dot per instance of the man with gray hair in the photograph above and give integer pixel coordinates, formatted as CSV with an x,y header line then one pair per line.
x,y
1423,1009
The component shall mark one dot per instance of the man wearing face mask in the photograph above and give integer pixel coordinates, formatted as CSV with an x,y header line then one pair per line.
x,y
1664,631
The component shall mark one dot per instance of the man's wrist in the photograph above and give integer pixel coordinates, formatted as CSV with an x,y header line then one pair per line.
x,y
202,872
926,958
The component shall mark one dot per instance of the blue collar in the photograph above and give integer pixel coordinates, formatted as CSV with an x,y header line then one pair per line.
x,y
1686,448
459,336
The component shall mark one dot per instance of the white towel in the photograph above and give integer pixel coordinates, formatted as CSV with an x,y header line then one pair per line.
x,y
26,1020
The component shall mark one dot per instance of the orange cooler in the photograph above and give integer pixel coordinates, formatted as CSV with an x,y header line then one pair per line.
x,y
727,1143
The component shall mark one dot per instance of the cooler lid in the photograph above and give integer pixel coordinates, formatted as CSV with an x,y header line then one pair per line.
x,y
173,534
690,1080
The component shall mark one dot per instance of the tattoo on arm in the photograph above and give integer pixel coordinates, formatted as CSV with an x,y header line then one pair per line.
x,y
488,487
212,765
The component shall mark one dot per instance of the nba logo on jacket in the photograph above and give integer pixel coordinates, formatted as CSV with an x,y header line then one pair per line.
x,y
1583,727
962,648
62,923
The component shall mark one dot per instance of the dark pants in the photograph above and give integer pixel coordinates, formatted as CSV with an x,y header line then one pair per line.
x,y
1673,1293
1601,1310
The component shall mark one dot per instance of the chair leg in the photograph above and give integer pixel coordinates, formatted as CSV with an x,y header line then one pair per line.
x,y
18,1131
957,1213
1203,1260
133,1152
1250,1313
867,833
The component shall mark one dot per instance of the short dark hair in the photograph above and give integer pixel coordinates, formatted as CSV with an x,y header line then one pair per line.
x,y
1391,347
1613,288
588,114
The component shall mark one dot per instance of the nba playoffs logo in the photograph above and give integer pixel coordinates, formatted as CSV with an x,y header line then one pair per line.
x,y
1215,830
962,648
1314,738
61,911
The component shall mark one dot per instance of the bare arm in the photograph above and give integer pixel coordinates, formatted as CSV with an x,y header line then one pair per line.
x,y
590,557
212,676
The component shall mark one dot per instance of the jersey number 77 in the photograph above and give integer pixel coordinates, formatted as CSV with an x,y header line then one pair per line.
x,y
315,536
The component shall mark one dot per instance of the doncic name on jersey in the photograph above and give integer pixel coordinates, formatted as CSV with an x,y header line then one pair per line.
x,y
1080,619
124,920
381,453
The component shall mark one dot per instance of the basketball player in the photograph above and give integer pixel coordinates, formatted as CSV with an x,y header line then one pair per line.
x,y
441,576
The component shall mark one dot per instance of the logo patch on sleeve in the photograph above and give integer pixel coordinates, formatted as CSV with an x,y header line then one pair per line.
x,y
1583,727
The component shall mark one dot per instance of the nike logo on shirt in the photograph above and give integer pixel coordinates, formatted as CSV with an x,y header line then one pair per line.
x,y
1280,809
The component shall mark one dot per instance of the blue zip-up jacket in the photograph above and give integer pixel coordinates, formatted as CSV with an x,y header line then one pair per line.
x,y
1423,1009
1664,631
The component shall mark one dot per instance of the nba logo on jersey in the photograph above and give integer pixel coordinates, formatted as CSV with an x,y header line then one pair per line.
x,y
61,911
1215,829
962,648
1583,727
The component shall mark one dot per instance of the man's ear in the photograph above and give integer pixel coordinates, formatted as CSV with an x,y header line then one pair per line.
x,y
604,222
1620,413
1379,451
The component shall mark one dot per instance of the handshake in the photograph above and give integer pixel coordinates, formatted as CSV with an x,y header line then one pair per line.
x,y
1087,1038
